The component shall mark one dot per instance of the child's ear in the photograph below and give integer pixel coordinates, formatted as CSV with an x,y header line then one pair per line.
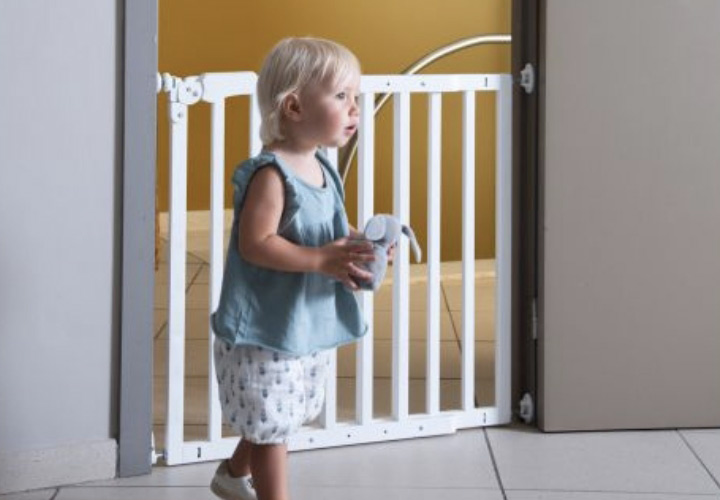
x,y
291,107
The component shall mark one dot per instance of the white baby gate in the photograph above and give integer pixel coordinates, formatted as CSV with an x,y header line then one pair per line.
x,y
216,88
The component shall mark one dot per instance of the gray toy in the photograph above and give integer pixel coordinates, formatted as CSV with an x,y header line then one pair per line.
x,y
384,230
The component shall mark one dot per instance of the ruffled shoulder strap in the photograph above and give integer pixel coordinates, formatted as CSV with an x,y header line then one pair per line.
x,y
246,170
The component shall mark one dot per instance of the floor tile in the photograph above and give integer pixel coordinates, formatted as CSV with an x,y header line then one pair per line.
x,y
450,362
383,365
485,360
417,300
484,393
159,322
163,256
198,245
203,275
30,495
644,462
197,325
596,495
484,323
460,460
484,268
383,325
381,492
161,296
193,475
196,357
196,399
706,444
450,397
484,294
450,271
162,273
198,297
136,493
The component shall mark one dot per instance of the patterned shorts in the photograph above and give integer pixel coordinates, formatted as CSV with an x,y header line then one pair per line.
x,y
266,395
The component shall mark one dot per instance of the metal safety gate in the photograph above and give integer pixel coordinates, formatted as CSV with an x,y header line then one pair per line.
x,y
216,88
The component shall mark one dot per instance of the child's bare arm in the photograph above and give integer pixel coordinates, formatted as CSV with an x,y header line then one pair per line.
x,y
261,245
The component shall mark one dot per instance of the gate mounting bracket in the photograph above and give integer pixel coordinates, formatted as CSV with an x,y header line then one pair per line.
x,y
527,78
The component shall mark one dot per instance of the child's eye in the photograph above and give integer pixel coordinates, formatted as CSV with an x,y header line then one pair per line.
x,y
341,95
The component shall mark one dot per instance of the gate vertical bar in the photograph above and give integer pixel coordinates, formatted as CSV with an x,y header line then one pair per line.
x,y
255,142
366,175
468,251
432,386
328,418
217,227
401,207
176,290
503,239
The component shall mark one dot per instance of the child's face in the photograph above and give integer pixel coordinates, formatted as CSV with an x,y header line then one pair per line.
x,y
331,111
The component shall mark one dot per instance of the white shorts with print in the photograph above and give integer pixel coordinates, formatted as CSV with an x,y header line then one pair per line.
x,y
266,395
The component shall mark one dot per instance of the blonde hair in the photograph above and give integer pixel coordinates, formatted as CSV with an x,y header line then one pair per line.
x,y
292,65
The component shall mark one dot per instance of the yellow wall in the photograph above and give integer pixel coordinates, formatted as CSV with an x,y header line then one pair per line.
x,y
197,37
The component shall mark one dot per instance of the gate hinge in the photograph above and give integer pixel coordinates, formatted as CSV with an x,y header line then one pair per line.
x,y
527,408
527,78
156,454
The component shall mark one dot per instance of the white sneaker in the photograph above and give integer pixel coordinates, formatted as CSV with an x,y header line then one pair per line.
x,y
232,488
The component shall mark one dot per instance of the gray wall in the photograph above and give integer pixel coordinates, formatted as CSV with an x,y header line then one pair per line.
x,y
631,202
59,165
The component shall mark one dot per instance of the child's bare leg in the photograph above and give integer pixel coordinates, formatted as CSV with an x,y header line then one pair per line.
x,y
269,470
239,463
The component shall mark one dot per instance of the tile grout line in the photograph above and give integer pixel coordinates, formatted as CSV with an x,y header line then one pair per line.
x,y
456,340
452,320
191,282
715,480
157,334
494,462
54,496
457,337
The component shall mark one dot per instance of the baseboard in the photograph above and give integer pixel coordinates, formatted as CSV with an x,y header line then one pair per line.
x,y
51,467
197,221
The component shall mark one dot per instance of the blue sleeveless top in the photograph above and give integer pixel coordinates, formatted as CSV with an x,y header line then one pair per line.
x,y
292,312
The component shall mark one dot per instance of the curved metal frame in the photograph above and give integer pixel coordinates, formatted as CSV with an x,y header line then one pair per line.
x,y
423,62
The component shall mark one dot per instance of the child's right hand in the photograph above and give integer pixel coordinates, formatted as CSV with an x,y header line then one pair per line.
x,y
338,258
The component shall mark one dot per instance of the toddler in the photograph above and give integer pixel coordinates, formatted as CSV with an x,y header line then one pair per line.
x,y
284,306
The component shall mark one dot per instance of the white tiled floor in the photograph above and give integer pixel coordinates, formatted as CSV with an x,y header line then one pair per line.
x,y
514,462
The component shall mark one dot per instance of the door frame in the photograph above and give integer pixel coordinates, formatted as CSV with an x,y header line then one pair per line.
x,y
526,111
140,56
137,275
